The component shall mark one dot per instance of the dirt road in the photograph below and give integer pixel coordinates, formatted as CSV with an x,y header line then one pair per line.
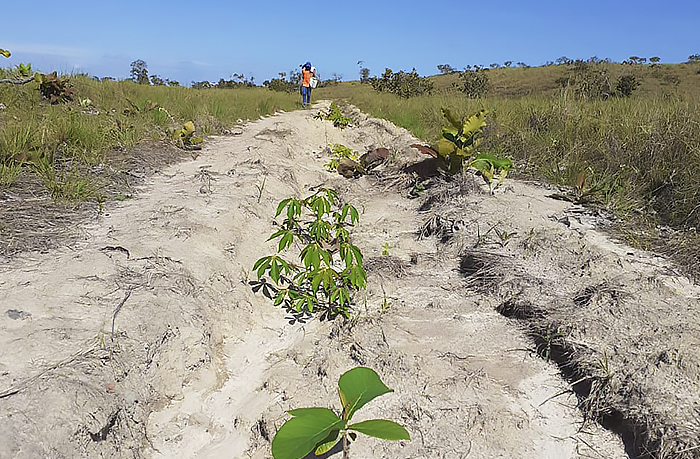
x,y
144,338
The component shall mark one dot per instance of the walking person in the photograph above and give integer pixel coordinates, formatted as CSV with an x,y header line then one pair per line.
x,y
308,74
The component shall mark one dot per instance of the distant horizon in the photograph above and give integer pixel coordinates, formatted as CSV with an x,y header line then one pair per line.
x,y
256,82
187,43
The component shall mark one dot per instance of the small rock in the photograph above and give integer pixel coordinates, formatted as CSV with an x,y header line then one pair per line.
x,y
15,314
349,168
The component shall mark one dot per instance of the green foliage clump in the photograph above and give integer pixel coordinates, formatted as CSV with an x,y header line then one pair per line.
x,y
6,53
626,84
338,152
334,114
184,137
475,82
457,147
402,84
321,429
282,84
331,265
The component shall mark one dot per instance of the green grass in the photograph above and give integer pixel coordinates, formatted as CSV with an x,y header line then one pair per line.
x,y
637,154
103,116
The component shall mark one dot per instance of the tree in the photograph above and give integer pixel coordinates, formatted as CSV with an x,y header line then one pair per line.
x,y
139,72
157,81
654,60
507,64
694,58
445,69
364,75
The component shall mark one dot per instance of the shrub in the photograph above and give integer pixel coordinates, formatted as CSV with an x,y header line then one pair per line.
x,y
474,83
625,85
402,84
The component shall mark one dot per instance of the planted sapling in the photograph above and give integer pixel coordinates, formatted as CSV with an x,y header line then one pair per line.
x,y
458,148
331,266
321,429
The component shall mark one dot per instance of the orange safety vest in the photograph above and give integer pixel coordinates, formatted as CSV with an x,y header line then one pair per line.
x,y
307,77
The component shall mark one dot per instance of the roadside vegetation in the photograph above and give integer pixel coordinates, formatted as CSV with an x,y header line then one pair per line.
x,y
63,140
625,137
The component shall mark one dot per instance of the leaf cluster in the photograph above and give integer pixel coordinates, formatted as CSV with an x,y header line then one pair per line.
x,y
338,152
320,429
184,137
335,115
402,84
331,266
54,88
458,147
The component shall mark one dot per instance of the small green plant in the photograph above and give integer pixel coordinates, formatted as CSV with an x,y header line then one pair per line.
x,y
331,265
321,429
335,115
545,341
385,249
504,236
24,69
339,152
184,137
458,147
6,53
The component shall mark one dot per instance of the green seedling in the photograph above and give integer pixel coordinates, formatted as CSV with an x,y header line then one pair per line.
x,y
24,69
339,152
546,341
184,137
330,266
504,236
385,249
335,115
321,429
458,148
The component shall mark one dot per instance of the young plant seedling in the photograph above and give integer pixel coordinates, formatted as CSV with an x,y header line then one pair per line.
x,y
331,266
458,148
335,115
321,429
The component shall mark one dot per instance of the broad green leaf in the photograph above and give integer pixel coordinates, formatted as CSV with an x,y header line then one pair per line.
x,y
475,123
261,265
328,443
454,121
381,428
445,148
5,53
303,433
357,387
498,163
282,205
188,127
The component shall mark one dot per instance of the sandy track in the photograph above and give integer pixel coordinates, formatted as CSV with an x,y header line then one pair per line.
x,y
145,340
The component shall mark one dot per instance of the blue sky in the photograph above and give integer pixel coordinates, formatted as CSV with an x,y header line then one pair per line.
x,y
196,41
